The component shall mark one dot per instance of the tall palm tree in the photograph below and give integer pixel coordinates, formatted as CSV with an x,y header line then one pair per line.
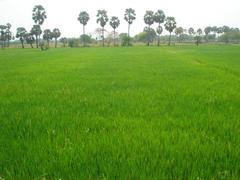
x,y
30,39
56,34
170,25
102,18
159,18
149,20
83,18
114,23
36,30
159,32
21,34
38,16
47,35
129,16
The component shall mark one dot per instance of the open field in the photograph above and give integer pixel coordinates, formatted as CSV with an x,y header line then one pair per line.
x,y
129,113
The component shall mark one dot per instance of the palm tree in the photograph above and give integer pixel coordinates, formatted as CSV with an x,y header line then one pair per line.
x,y
159,18
3,35
38,16
114,23
21,34
30,39
198,37
178,32
102,18
47,35
83,18
8,33
170,25
159,32
64,41
129,16
149,20
207,31
56,34
36,30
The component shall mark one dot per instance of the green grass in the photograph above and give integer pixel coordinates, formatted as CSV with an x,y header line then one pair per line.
x,y
128,113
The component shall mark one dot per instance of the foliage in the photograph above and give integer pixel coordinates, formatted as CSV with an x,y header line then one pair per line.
x,y
129,15
170,25
83,18
30,39
21,34
230,37
125,39
39,14
47,35
64,40
85,38
159,17
73,42
114,22
56,34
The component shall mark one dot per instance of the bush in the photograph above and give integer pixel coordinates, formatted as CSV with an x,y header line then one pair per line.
x,y
125,39
73,42
85,38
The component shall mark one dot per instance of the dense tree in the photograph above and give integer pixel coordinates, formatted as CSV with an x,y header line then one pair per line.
x,y
129,16
170,25
159,32
114,23
21,34
38,16
30,39
83,18
159,17
36,31
56,34
149,20
102,18
47,35
179,32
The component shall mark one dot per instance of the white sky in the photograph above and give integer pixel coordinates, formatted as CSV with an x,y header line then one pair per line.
x,y
63,13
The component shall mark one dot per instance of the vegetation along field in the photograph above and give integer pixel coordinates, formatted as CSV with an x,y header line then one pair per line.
x,y
127,112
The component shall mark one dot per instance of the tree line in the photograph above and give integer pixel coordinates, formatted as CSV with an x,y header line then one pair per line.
x,y
148,35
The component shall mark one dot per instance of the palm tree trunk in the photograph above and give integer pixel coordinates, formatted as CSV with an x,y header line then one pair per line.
x,y
84,36
158,41
37,41
169,43
55,42
22,44
128,34
148,43
103,36
114,33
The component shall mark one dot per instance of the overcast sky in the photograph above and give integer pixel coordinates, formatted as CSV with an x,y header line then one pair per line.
x,y
63,13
